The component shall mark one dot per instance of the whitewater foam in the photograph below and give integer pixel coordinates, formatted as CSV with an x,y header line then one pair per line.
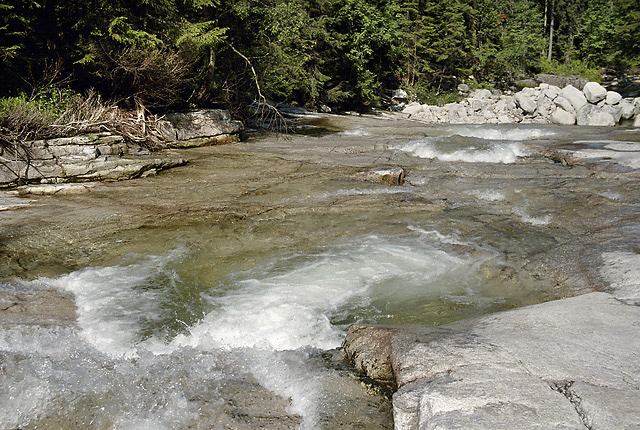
x,y
488,133
488,195
115,303
433,148
266,321
526,218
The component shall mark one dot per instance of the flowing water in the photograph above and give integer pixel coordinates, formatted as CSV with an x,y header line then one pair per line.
x,y
215,295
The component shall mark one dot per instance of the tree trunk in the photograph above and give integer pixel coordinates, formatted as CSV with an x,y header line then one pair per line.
x,y
551,24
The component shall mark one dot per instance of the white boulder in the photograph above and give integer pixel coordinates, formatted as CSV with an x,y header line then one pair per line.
x,y
594,92
613,98
574,96
561,116
526,103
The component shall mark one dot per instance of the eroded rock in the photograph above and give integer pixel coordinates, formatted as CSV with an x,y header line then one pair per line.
x,y
390,175
513,369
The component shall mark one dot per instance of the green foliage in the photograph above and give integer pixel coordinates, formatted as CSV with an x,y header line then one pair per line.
x,y
626,25
347,53
122,32
201,35
576,67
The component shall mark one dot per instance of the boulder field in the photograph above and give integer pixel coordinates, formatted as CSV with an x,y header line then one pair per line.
x,y
592,105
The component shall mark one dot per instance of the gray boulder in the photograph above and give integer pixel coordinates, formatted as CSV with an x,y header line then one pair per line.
x,y
463,89
202,124
636,121
481,94
565,104
561,116
574,96
525,103
613,98
628,109
614,110
562,81
594,92
545,107
551,92
594,116
475,104
413,108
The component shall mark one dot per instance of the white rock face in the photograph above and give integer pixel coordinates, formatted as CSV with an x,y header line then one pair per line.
x,y
566,364
574,96
594,92
613,98
636,122
526,103
562,117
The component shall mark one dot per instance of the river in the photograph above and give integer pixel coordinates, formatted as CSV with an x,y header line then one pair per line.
x,y
215,295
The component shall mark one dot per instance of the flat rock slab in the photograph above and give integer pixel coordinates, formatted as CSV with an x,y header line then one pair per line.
x,y
567,364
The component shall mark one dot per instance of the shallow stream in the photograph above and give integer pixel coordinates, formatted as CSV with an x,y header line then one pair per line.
x,y
214,295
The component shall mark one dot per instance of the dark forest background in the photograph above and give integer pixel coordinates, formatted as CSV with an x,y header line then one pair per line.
x,y
157,55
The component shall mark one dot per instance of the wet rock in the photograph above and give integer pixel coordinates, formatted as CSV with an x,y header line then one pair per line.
x,y
51,189
384,175
594,92
368,349
514,369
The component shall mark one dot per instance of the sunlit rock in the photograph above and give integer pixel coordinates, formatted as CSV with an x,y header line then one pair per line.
x,y
594,92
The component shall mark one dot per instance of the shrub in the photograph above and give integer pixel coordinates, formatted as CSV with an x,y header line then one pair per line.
x,y
575,67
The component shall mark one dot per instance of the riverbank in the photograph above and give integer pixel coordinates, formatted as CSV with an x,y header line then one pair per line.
x,y
569,363
107,156
208,294
588,105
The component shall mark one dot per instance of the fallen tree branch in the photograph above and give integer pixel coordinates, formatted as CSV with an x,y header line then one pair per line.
x,y
271,118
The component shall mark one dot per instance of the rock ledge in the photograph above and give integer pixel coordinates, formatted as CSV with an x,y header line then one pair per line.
x,y
571,364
